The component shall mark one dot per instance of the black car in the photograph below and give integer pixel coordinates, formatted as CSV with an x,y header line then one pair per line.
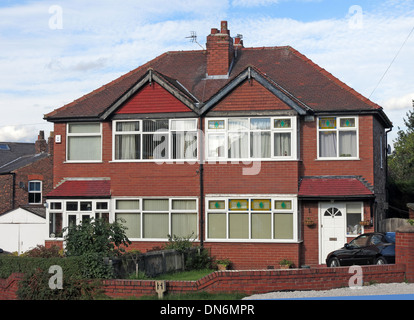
x,y
368,248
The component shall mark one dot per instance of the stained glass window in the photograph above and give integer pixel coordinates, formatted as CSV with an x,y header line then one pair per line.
x,y
238,204
283,205
216,124
327,123
261,204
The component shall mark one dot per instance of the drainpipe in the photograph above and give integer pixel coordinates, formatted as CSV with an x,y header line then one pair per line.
x,y
201,176
386,167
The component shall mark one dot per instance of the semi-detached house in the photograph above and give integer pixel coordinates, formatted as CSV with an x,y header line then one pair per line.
x,y
258,153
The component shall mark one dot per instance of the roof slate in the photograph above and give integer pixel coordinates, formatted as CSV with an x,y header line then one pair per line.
x,y
304,80
82,189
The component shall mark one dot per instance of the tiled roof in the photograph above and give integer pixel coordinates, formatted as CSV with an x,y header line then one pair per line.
x,y
334,186
82,189
284,66
15,150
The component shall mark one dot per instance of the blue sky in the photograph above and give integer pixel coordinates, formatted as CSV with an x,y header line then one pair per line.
x,y
53,52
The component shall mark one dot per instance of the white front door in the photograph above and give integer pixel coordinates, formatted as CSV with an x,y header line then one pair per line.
x,y
332,228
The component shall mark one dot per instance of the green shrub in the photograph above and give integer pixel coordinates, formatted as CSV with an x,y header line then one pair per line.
x,y
71,266
43,252
35,286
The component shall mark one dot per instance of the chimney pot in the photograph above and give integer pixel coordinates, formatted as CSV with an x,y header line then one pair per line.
x,y
224,27
214,31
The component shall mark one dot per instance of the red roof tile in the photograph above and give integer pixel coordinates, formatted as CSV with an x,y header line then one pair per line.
x,y
333,186
82,189
289,69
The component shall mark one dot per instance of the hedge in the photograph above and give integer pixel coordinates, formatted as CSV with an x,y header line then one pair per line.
x,y
71,266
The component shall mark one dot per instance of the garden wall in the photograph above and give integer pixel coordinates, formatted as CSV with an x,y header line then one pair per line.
x,y
262,281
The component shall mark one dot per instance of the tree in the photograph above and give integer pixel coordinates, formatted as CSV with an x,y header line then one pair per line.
x,y
401,165
401,162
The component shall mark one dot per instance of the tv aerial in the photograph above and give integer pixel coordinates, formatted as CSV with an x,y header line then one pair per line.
x,y
193,38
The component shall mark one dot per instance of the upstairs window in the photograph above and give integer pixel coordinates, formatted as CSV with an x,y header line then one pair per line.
x,y
338,137
84,142
251,138
160,139
35,192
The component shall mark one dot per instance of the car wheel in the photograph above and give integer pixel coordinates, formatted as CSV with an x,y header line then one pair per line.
x,y
334,262
380,261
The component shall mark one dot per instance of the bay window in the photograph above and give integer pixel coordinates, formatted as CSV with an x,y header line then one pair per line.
x,y
143,140
251,219
157,218
338,137
251,138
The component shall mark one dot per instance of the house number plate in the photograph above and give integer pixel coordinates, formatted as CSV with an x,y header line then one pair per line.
x,y
333,239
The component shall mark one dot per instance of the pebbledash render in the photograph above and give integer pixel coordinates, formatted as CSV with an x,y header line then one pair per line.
x,y
259,154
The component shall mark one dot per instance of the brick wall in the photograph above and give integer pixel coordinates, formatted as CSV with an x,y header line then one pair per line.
x,y
40,170
262,281
9,286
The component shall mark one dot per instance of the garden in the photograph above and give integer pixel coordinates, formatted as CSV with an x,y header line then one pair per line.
x,y
96,250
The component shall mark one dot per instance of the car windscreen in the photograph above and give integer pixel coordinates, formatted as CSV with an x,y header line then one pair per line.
x,y
361,241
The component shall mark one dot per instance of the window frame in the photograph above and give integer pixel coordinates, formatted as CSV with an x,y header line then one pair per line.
x,y
272,211
141,211
226,132
92,134
337,130
34,192
170,132
78,213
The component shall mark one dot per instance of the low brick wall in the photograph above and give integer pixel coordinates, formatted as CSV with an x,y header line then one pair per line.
x,y
9,286
260,281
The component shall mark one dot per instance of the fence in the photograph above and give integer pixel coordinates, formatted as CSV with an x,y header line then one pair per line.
x,y
392,224
152,263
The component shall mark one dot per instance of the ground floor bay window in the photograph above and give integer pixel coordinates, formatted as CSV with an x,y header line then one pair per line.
x,y
252,219
155,219
144,218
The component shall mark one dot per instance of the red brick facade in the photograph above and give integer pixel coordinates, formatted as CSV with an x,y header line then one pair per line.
x,y
221,82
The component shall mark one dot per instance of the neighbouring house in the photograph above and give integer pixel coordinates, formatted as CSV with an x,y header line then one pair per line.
x,y
258,153
26,176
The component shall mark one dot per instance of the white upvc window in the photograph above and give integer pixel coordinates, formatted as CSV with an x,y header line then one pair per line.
x,y
338,138
154,139
252,219
84,142
244,138
62,214
35,191
156,218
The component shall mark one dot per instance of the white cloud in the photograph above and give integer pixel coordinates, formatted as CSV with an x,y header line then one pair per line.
x,y
43,69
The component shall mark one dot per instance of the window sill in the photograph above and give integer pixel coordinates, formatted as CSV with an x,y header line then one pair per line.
x,y
337,159
76,161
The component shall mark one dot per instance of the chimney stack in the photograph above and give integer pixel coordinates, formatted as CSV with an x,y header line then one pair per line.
x,y
51,143
220,51
41,144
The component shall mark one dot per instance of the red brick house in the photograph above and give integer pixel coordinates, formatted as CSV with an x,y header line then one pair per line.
x,y
26,173
258,152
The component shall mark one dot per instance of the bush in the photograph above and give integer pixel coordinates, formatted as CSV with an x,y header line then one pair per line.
x,y
35,286
71,266
43,252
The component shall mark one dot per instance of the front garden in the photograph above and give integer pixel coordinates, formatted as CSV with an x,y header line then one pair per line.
x,y
95,251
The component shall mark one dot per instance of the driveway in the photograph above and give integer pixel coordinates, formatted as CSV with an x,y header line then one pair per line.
x,y
383,291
